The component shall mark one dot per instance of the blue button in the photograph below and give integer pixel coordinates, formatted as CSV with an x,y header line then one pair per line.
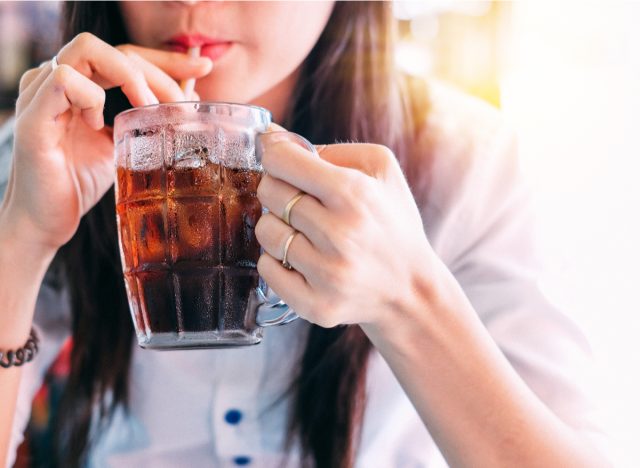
x,y
233,416
242,460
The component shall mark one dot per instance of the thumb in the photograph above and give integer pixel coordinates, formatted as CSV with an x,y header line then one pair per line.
x,y
373,160
274,127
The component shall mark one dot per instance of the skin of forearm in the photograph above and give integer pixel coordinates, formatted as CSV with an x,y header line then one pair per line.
x,y
22,268
474,404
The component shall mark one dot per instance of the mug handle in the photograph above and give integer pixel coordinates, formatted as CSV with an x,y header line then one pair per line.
x,y
274,311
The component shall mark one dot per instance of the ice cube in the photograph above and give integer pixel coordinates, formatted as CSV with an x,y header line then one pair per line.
x,y
239,150
145,148
241,213
199,182
240,181
194,229
191,149
146,226
219,139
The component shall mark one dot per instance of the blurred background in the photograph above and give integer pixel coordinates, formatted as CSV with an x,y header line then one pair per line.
x,y
567,76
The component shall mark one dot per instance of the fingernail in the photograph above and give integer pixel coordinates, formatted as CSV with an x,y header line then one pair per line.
x,y
199,61
260,147
151,98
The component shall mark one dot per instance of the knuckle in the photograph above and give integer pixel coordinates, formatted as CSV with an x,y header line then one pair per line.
x,y
328,318
260,229
316,307
261,191
27,77
100,95
62,73
324,322
356,194
383,155
129,52
321,312
84,41
125,48
261,264
385,152
347,190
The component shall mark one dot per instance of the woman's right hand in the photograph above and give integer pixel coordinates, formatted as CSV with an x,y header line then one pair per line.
x,y
63,153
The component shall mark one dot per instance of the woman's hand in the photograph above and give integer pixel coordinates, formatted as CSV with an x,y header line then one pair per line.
x,y
361,239
63,153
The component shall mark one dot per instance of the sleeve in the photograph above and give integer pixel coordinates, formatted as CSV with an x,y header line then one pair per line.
x,y
498,266
51,322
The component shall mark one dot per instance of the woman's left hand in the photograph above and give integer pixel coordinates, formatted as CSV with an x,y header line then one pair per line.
x,y
361,242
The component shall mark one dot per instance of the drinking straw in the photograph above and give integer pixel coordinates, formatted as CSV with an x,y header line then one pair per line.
x,y
189,84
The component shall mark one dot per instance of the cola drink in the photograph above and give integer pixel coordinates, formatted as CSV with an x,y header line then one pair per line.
x,y
187,237
187,207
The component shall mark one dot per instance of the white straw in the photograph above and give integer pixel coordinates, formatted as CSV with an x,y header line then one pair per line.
x,y
189,84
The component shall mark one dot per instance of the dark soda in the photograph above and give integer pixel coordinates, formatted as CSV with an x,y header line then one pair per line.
x,y
188,243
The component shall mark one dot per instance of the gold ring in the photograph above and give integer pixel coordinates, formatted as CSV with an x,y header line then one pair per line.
x,y
287,244
286,214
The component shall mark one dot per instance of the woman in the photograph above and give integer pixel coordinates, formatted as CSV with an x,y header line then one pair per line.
x,y
452,355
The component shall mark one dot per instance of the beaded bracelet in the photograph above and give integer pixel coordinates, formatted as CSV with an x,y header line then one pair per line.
x,y
21,355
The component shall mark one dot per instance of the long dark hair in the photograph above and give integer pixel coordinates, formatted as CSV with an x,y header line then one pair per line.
x,y
348,91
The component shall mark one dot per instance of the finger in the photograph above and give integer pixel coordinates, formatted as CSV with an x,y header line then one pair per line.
x,y
289,162
273,234
29,84
175,64
108,67
289,285
362,156
65,88
274,127
307,215
373,160
29,76
163,86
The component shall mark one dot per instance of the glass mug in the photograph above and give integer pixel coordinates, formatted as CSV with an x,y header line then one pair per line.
x,y
186,207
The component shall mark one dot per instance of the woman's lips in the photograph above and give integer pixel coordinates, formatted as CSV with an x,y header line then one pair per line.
x,y
213,50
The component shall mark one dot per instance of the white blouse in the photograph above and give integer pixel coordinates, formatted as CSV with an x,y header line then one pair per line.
x,y
215,408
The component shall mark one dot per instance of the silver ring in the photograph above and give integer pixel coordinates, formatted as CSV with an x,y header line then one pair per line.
x,y
54,62
287,244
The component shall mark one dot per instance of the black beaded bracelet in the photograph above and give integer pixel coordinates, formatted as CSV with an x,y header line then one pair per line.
x,y
21,355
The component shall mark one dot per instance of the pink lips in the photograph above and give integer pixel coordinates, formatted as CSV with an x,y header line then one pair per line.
x,y
210,47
